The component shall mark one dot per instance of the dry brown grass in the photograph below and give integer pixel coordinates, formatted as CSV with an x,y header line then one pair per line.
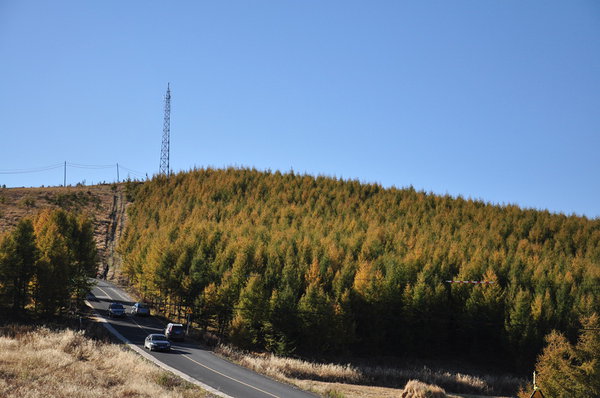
x,y
451,381
289,368
417,389
341,390
319,377
45,363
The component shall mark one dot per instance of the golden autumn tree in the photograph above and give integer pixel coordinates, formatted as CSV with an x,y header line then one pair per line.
x,y
67,259
572,370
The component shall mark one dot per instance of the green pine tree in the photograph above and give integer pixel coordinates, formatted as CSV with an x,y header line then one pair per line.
x,y
18,258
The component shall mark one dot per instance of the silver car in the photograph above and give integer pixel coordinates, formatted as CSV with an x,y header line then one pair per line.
x,y
140,309
157,342
116,310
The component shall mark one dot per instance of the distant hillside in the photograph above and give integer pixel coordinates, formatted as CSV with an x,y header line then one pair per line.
x,y
319,265
105,204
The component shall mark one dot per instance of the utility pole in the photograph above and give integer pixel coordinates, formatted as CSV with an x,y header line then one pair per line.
x,y
65,175
117,172
164,151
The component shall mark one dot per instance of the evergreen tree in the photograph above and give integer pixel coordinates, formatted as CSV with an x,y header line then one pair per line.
x,y
567,370
67,258
18,258
53,277
316,315
247,327
282,327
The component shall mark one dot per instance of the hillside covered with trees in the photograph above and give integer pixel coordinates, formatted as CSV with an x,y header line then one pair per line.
x,y
318,265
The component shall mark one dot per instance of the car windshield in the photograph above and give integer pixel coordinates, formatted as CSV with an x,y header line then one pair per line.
x,y
140,305
176,328
116,306
158,337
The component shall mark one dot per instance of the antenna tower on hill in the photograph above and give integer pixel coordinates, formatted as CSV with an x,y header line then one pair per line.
x,y
164,151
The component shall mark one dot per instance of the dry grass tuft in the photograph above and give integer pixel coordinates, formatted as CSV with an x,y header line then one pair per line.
x,y
66,364
417,389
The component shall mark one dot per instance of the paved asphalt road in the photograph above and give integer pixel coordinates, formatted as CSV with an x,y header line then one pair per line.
x,y
190,358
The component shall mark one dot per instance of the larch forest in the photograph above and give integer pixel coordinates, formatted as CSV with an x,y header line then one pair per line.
x,y
322,266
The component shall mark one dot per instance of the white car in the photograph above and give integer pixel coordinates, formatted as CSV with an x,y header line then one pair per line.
x,y
157,342
175,331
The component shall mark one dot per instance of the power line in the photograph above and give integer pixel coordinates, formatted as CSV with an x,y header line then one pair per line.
x,y
66,165
91,166
135,172
32,170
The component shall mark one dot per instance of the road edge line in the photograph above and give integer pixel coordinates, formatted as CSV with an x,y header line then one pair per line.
x,y
149,357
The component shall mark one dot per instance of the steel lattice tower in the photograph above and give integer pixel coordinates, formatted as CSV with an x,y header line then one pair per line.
x,y
164,151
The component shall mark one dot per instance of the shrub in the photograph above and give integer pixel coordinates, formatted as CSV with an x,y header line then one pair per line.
x,y
334,394
168,381
27,202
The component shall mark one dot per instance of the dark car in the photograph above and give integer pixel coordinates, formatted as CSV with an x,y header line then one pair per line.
x,y
157,342
140,309
116,310
175,331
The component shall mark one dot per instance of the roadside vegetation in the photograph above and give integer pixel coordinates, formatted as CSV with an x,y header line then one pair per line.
x,y
417,389
39,362
322,376
46,262
320,267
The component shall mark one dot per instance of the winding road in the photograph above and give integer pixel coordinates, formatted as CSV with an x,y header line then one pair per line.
x,y
198,363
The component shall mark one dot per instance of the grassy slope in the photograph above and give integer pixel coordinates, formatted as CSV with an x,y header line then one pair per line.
x,y
45,363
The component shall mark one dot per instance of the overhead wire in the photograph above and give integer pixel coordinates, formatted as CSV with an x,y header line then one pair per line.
x,y
92,166
32,170
54,166
134,172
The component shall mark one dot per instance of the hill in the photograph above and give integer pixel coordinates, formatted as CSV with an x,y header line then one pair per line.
x,y
318,266
104,204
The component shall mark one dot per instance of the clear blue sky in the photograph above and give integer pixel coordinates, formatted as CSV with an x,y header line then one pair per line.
x,y
494,100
